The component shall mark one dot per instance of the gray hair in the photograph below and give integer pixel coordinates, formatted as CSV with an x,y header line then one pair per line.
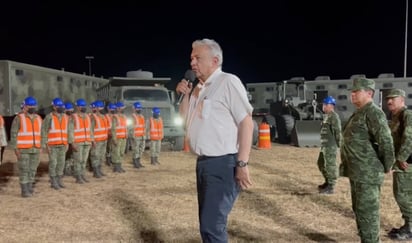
x,y
213,46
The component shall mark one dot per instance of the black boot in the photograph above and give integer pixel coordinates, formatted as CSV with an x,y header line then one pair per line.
x,y
323,186
60,182
96,173
99,168
79,179
30,187
153,160
135,165
327,190
157,161
138,163
25,190
109,161
121,169
53,183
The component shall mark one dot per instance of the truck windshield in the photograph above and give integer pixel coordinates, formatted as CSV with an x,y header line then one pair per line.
x,y
145,95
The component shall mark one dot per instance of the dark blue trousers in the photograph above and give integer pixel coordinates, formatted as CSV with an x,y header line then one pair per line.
x,y
217,191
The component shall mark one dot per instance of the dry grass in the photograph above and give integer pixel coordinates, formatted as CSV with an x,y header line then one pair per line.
x,y
158,203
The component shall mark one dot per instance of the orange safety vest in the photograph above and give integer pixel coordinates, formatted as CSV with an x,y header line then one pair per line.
x,y
156,129
29,135
121,128
109,122
81,128
58,130
138,125
100,128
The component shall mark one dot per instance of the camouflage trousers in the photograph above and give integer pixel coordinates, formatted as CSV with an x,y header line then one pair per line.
x,y
27,164
80,158
98,153
69,164
402,191
155,147
57,157
365,205
327,165
118,150
138,146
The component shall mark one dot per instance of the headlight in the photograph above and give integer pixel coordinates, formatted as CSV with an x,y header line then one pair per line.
x,y
178,121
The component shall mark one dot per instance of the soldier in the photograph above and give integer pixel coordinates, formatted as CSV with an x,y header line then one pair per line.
x,y
330,135
401,127
118,139
54,142
367,153
3,138
138,135
156,135
25,139
81,139
112,110
69,164
100,129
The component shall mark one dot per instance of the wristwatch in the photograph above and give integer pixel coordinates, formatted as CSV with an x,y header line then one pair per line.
x,y
241,163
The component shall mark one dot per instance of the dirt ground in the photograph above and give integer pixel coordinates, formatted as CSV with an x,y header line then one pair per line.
x,y
158,203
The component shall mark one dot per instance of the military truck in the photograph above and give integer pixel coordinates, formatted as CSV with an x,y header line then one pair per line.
x,y
150,92
19,80
293,107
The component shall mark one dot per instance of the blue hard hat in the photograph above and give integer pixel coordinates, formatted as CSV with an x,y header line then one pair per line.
x,y
156,110
30,101
99,103
119,104
111,106
81,102
329,100
58,102
93,104
68,106
137,105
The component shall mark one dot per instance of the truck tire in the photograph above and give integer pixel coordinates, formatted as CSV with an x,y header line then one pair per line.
x,y
269,119
285,124
255,136
178,143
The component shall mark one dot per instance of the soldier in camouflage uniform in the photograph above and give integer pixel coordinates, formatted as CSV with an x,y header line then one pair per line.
x,y
81,139
401,127
367,153
118,138
330,135
100,128
137,133
156,134
54,142
25,139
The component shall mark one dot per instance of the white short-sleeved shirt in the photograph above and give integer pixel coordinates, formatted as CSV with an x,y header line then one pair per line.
x,y
214,116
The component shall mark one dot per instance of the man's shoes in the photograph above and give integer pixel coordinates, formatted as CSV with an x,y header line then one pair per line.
x,y
323,186
400,234
327,190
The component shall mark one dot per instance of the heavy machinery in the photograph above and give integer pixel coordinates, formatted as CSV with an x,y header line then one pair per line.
x,y
293,107
150,92
19,80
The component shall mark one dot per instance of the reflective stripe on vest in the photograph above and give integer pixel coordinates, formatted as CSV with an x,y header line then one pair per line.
x,y
100,128
138,125
81,128
121,129
156,129
29,135
58,130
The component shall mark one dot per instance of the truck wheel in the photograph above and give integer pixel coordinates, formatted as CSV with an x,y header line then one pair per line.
x,y
285,124
269,119
178,143
255,136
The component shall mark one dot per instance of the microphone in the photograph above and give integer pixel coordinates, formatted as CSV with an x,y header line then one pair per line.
x,y
190,76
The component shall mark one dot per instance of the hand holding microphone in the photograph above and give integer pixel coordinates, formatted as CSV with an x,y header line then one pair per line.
x,y
185,86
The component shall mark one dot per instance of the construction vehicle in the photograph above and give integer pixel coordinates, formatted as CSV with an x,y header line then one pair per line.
x,y
20,80
293,107
151,92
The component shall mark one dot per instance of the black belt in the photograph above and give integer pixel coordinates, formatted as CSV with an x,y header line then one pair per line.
x,y
204,157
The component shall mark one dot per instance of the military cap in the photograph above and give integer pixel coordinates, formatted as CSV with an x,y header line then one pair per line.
x,y
395,93
363,84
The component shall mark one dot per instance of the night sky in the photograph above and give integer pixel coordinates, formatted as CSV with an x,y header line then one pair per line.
x,y
260,42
